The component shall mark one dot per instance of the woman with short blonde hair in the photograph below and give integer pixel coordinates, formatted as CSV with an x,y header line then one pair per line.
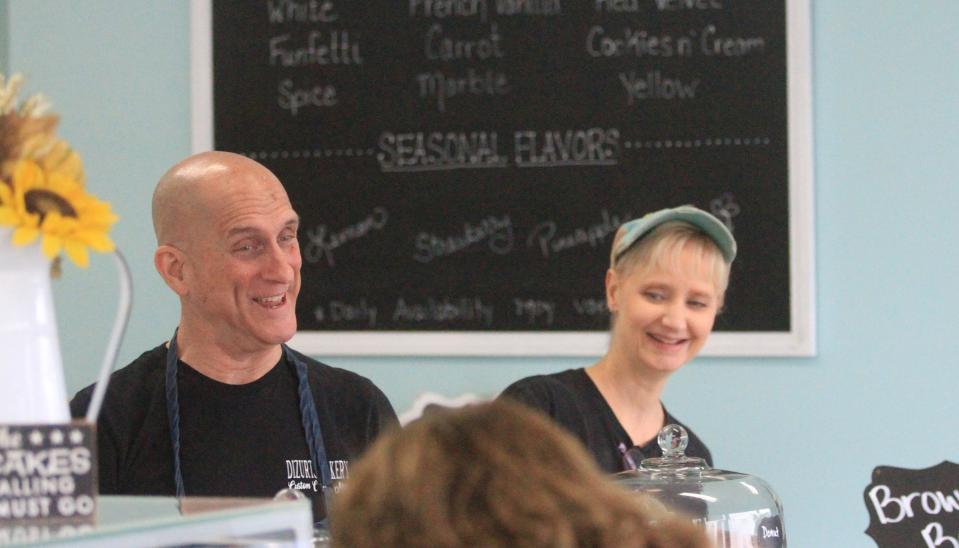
x,y
666,281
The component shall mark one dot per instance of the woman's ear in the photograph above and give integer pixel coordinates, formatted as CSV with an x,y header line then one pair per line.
x,y
612,287
169,262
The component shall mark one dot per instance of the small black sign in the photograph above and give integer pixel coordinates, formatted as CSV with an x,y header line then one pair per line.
x,y
914,507
47,471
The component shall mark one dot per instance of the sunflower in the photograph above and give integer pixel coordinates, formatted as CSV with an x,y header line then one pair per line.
x,y
27,132
38,202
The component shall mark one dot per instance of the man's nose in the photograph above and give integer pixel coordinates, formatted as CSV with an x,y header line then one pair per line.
x,y
278,267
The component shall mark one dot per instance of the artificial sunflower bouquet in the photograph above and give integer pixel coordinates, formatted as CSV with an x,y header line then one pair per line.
x,y
42,194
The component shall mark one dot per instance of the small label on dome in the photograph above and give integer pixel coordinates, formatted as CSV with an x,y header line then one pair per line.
x,y
769,533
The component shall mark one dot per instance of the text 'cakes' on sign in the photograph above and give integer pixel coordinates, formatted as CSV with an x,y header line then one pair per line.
x,y
461,166
47,472
914,507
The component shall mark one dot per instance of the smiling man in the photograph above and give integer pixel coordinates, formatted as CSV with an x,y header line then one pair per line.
x,y
225,407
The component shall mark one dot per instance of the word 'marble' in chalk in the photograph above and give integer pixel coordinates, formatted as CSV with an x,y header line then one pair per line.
x,y
441,86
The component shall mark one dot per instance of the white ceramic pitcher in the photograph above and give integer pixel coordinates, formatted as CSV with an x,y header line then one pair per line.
x,y
32,387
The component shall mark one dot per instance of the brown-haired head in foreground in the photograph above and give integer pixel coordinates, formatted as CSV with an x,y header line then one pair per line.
x,y
493,474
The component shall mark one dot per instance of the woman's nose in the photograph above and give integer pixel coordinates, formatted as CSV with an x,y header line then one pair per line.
x,y
674,315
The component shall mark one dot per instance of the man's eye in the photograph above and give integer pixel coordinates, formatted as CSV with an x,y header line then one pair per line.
x,y
245,248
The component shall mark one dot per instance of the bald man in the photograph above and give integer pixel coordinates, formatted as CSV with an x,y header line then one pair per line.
x,y
224,407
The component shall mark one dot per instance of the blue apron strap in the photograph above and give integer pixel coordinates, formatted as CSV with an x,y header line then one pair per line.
x,y
311,420
308,415
173,413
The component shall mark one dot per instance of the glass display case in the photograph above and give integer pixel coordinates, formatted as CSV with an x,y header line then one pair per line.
x,y
737,510
123,521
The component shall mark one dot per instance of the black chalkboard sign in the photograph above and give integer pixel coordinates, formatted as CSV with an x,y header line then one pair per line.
x,y
914,507
460,166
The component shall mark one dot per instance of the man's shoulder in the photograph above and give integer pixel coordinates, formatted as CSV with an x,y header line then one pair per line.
x,y
334,379
129,383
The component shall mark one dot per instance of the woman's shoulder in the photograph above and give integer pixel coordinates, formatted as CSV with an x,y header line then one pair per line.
x,y
551,383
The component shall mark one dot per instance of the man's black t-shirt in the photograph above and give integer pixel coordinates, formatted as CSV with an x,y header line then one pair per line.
x,y
573,401
236,440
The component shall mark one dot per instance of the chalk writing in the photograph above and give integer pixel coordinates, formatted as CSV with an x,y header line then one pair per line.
x,y
930,502
441,87
293,99
535,311
653,85
441,9
443,310
321,241
529,7
590,307
339,311
570,147
420,151
545,236
439,47
674,5
294,11
332,48
496,231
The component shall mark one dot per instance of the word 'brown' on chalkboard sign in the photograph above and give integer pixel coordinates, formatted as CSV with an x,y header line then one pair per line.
x,y
914,507
460,166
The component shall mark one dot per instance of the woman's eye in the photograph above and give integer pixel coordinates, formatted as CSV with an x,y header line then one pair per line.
x,y
654,296
699,304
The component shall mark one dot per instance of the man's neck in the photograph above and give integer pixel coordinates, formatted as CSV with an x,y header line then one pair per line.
x,y
229,364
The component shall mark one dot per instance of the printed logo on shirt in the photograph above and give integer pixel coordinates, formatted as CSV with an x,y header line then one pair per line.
x,y
301,476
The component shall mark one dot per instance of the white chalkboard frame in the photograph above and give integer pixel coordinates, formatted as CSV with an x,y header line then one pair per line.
x,y
799,341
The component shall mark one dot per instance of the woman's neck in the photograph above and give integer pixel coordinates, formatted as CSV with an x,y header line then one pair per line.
x,y
633,396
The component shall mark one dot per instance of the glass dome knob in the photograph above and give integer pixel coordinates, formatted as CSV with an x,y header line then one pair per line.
x,y
673,440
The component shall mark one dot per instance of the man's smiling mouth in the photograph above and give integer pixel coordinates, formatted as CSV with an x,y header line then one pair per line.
x,y
273,301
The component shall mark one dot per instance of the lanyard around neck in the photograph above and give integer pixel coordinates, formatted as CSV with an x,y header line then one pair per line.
x,y
308,414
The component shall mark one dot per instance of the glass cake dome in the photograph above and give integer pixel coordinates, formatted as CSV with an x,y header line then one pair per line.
x,y
736,510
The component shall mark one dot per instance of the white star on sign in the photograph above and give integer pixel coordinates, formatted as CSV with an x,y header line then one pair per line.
x,y
76,437
36,438
56,437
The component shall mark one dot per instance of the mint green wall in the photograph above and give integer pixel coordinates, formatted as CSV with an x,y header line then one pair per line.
x,y
884,388
4,36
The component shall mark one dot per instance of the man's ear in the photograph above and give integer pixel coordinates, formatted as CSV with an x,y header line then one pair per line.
x,y
612,285
169,262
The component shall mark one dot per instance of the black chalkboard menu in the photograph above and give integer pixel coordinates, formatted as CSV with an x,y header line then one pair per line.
x,y
460,166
